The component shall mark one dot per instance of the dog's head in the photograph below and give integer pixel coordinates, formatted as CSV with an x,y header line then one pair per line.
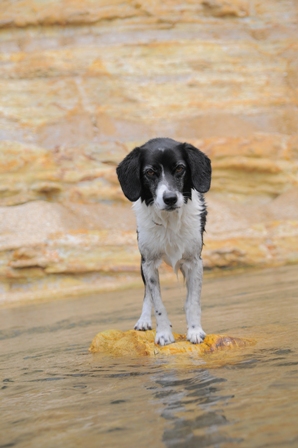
x,y
163,172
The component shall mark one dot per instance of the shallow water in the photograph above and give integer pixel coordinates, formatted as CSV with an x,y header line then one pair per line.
x,y
56,394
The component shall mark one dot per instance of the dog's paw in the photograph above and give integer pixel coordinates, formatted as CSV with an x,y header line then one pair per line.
x,y
143,325
196,335
164,337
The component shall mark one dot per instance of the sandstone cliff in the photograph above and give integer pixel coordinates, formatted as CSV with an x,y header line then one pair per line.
x,y
82,83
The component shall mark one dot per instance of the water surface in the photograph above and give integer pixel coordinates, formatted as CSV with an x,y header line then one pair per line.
x,y
54,393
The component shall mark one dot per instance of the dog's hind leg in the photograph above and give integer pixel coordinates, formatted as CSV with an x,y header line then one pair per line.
x,y
150,275
193,273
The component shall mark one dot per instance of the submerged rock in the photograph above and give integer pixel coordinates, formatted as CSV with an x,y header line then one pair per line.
x,y
131,342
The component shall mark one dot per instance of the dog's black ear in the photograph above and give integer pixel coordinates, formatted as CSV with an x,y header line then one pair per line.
x,y
200,168
128,172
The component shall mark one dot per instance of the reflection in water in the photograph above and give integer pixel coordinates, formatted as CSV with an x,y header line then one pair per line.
x,y
53,393
188,405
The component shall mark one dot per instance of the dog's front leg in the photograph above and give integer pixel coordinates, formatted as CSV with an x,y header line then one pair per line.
x,y
164,334
193,273
144,323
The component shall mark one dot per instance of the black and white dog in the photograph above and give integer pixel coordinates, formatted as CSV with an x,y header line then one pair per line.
x,y
166,180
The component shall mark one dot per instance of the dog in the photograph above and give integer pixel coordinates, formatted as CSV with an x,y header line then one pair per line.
x,y
166,180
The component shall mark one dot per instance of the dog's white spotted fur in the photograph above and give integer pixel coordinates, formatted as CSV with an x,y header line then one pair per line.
x,y
166,180
174,237
169,235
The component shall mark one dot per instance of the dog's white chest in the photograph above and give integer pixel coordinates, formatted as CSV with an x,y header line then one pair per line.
x,y
171,236
172,243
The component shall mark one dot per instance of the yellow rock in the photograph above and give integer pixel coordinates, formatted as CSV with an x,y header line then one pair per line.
x,y
76,12
141,343
83,82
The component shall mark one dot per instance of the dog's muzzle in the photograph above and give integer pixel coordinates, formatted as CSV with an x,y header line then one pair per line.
x,y
170,199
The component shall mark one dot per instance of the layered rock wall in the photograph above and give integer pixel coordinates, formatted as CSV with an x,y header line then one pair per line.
x,y
82,83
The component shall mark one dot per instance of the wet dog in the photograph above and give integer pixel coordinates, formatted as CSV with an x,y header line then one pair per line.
x,y
166,180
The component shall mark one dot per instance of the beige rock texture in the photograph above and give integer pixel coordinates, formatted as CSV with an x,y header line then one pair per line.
x,y
84,82
141,343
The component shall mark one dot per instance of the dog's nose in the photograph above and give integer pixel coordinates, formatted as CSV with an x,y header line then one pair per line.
x,y
170,198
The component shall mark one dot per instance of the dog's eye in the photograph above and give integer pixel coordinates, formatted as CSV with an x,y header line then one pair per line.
x,y
150,173
179,169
